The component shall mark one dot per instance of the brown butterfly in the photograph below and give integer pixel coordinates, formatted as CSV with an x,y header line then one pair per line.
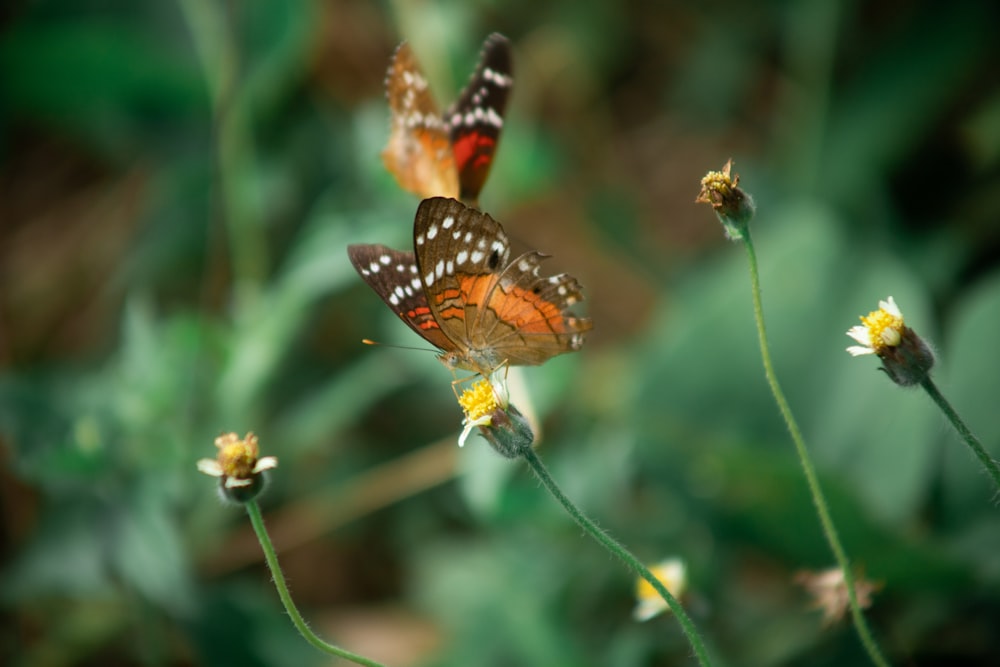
x,y
462,293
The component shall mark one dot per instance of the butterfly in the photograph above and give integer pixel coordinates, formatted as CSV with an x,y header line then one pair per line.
x,y
462,293
450,154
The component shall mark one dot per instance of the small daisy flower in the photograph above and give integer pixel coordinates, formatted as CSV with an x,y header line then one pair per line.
x,y
732,205
487,408
879,330
238,466
907,359
828,590
672,573
478,402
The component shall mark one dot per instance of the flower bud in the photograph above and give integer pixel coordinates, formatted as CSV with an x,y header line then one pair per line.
x,y
733,207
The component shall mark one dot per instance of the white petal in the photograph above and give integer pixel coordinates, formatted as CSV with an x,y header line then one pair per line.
x,y
889,306
860,334
891,337
647,609
485,420
210,467
857,351
266,463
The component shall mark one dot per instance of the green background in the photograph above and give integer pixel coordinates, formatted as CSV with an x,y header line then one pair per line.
x,y
179,181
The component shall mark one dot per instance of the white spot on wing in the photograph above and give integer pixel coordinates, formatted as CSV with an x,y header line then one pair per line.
x,y
497,78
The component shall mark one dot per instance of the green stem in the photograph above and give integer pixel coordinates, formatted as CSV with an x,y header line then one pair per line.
x,y
807,467
988,462
217,52
618,550
286,598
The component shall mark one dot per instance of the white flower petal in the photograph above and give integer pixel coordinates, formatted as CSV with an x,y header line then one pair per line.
x,y
860,333
266,463
485,420
647,609
857,350
891,337
889,306
210,467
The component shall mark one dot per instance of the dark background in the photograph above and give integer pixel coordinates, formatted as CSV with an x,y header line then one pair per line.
x,y
179,181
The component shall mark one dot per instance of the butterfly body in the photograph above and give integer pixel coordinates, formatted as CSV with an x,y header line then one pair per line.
x,y
461,292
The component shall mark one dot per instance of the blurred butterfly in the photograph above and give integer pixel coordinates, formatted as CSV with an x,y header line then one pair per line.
x,y
449,155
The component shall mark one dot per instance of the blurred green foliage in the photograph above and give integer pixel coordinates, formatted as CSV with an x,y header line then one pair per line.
x,y
179,181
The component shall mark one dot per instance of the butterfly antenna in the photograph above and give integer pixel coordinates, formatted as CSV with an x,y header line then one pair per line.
x,y
369,341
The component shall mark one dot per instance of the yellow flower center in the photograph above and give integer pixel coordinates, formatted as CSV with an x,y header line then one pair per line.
x,y
237,457
884,329
718,187
478,400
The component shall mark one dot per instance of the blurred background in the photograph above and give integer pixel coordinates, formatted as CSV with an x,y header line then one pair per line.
x,y
179,181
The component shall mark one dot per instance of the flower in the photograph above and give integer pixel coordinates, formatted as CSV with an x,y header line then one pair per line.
x,y
828,589
906,358
487,408
672,573
879,330
733,207
478,402
238,465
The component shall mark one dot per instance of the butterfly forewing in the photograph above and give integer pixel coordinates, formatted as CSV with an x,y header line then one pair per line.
x,y
419,152
493,310
476,118
394,277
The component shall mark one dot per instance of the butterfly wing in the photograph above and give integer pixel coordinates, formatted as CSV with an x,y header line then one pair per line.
x,y
393,276
527,316
492,310
418,152
475,120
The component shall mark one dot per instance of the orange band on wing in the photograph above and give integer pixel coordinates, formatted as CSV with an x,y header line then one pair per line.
x,y
521,309
421,317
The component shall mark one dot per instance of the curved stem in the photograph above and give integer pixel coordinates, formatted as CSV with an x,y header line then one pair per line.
x,y
618,550
807,467
286,598
988,462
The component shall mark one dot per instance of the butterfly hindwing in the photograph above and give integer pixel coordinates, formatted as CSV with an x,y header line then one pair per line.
x,y
476,118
